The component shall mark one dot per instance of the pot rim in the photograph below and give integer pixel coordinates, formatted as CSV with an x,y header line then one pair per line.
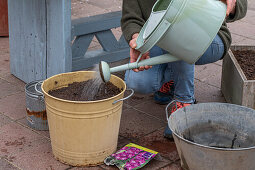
x,y
82,102
210,147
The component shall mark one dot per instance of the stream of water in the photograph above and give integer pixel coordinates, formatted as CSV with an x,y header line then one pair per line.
x,y
90,90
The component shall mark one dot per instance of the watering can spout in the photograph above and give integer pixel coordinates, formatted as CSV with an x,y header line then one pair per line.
x,y
105,70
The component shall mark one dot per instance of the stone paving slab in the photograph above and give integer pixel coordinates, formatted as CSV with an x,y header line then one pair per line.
x,y
7,89
209,73
155,110
5,165
205,93
36,155
4,120
135,124
109,5
13,106
173,166
157,142
244,29
44,133
83,9
14,138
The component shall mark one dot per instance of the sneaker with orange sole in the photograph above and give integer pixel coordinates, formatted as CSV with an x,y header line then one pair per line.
x,y
165,93
177,105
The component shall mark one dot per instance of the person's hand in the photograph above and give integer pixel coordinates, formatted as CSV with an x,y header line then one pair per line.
x,y
134,54
231,6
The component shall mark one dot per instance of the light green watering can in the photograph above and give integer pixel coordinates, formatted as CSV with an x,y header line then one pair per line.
x,y
184,28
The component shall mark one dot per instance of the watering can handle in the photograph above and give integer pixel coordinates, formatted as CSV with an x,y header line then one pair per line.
x,y
132,92
166,109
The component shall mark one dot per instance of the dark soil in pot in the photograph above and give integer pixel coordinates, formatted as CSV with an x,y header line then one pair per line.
x,y
246,59
75,91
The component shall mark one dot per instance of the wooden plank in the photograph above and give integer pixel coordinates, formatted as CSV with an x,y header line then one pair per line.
x,y
122,42
107,40
96,23
81,44
59,55
27,28
94,57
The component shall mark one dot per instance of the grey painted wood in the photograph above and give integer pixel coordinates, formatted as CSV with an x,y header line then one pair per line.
x,y
99,26
81,44
27,28
234,85
96,23
59,55
107,40
122,42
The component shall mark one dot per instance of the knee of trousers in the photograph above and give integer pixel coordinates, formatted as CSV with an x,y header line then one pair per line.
x,y
139,84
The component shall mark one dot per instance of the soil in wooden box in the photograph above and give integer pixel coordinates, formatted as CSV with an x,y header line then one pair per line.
x,y
246,59
81,91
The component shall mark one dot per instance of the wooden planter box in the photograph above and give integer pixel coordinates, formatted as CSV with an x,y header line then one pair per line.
x,y
234,84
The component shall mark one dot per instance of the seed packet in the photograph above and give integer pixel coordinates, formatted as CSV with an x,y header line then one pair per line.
x,y
131,157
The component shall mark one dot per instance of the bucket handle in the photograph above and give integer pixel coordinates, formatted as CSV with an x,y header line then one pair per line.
x,y
132,92
39,83
166,109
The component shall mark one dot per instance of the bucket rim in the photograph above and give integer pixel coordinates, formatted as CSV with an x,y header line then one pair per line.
x,y
32,83
210,147
82,102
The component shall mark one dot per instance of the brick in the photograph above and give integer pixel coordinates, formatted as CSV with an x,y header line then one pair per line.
x,y
14,106
135,124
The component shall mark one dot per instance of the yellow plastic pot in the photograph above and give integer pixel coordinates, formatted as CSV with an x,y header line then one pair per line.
x,y
82,132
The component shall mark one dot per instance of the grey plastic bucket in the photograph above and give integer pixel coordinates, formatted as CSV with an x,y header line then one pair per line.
x,y
35,106
214,136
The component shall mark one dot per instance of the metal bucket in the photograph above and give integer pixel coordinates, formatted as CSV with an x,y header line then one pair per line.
x,y
215,136
35,106
82,133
